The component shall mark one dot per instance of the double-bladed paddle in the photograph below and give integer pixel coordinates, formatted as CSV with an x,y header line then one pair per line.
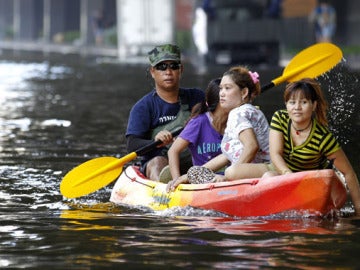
x,y
99,172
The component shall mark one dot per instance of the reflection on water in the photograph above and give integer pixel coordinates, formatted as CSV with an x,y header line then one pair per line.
x,y
54,116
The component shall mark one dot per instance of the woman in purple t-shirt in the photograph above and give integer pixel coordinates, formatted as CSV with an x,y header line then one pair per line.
x,y
202,134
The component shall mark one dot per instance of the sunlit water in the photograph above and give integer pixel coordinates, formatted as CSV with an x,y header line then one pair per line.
x,y
54,116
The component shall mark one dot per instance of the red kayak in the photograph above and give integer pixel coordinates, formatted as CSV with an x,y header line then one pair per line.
x,y
316,192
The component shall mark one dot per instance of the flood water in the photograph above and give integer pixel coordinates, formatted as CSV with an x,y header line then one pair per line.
x,y
56,114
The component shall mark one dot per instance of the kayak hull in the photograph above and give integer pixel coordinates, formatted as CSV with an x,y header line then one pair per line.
x,y
316,192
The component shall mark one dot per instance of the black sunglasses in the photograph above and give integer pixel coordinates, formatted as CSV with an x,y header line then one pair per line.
x,y
164,66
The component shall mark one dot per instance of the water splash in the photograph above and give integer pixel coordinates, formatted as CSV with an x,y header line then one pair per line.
x,y
340,86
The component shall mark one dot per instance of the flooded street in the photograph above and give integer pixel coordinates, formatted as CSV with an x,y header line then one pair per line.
x,y
57,114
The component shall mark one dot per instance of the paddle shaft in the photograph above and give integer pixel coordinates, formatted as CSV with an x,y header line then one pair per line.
x,y
267,87
129,157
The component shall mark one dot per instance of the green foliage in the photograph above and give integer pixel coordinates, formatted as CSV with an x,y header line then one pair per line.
x,y
71,36
353,49
9,33
184,39
110,36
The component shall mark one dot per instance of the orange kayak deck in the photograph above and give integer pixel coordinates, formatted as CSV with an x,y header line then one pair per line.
x,y
315,192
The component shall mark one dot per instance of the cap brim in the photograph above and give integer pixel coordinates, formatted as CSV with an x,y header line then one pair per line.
x,y
166,59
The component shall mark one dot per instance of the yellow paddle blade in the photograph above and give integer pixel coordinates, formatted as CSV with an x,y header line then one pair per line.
x,y
311,62
92,175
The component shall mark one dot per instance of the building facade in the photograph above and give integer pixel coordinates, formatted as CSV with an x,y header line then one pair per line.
x,y
124,28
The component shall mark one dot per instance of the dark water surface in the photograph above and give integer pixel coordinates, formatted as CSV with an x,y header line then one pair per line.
x,y
54,115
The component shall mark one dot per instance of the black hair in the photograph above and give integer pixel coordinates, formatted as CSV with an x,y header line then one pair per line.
x,y
211,98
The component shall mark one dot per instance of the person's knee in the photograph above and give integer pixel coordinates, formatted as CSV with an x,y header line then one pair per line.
x,y
154,166
230,173
158,161
269,174
246,170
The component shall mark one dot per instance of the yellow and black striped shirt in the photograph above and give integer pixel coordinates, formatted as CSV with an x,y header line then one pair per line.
x,y
310,155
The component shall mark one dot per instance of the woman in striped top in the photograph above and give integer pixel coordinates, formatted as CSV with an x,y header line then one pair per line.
x,y
300,140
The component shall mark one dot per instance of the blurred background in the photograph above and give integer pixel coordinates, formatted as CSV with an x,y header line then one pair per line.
x,y
257,31
70,71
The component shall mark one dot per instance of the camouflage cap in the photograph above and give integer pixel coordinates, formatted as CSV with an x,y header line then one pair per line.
x,y
164,53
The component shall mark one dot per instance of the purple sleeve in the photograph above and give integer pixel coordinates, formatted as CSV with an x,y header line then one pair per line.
x,y
191,130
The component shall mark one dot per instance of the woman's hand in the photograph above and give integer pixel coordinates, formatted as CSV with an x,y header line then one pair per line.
x,y
173,184
220,178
